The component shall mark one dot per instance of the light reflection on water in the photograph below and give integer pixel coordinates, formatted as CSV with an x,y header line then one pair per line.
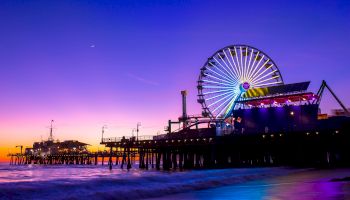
x,y
26,173
97,182
310,185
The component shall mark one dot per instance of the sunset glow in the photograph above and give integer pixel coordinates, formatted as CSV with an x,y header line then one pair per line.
x,y
117,63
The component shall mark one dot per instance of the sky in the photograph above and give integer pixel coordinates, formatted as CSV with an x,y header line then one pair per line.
x,y
88,63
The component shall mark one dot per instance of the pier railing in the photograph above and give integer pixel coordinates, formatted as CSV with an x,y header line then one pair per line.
x,y
129,138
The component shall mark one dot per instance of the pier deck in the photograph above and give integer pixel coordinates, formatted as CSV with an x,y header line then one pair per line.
x,y
201,148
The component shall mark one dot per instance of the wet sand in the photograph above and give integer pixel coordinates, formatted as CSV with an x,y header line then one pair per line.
x,y
306,185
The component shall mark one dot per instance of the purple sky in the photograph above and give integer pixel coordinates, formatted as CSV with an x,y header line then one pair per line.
x,y
89,63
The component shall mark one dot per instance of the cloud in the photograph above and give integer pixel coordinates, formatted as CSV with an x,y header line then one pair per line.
x,y
142,80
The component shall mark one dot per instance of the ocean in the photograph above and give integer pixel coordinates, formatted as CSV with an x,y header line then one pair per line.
x,y
98,182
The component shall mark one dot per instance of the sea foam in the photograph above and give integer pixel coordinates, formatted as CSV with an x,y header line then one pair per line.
x,y
97,182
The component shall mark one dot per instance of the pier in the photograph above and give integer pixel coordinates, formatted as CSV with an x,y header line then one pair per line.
x,y
199,149
103,158
247,120
205,150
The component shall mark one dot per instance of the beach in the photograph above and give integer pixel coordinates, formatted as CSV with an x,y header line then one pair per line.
x,y
305,185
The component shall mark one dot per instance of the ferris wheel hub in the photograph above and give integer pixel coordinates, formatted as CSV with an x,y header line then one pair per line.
x,y
244,87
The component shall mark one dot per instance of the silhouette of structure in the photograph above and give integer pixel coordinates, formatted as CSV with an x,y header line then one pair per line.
x,y
250,118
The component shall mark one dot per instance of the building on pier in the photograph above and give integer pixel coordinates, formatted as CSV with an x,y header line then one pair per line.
x,y
56,147
52,147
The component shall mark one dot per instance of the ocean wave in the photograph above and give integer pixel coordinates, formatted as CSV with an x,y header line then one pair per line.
x,y
123,184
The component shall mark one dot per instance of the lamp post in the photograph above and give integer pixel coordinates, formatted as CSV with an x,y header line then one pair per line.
x,y
103,131
132,132
137,130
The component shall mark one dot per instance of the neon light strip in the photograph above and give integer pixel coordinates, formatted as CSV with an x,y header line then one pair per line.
x,y
249,78
245,64
233,74
213,97
253,76
268,84
234,70
248,67
217,91
267,79
232,77
255,81
209,81
258,75
224,77
233,60
223,73
228,106
215,102
241,64
213,86
256,66
238,66
229,82
222,104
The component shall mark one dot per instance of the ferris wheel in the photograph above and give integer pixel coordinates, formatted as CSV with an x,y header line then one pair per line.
x,y
229,73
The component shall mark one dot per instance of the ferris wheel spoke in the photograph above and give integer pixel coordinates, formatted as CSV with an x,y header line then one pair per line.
x,y
241,63
234,63
265,84
245,63
248,66
228,77
223,103
263,72
232,77
222,80
219,100
231,66
255,80
219,95
225,68
227,107
217,91
252,66
213,87
262,66
219,79
265,80
224,77
215,82
237,61
233,74
256,66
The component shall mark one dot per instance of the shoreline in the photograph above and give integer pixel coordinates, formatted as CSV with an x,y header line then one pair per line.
x,y
308,185
135,184
80,182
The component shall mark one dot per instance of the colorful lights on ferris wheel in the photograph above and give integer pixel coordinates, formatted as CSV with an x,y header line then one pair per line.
x,y
229,73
